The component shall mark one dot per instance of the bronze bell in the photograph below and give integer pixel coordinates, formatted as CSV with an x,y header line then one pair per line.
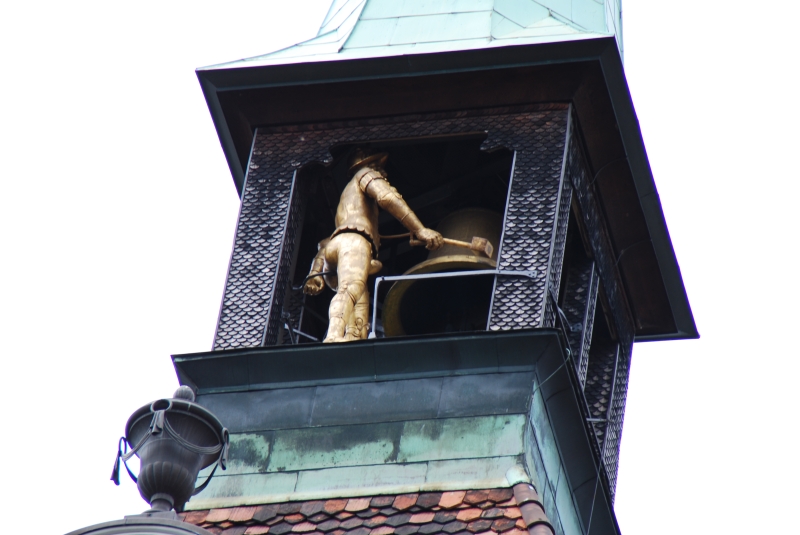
x,y
447,304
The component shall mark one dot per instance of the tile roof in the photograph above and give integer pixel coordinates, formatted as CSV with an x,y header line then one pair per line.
x,y
516,511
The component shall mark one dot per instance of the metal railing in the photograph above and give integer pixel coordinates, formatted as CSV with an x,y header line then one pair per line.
x,y
531,274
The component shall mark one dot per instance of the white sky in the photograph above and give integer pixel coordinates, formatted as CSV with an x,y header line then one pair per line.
x,y
117,213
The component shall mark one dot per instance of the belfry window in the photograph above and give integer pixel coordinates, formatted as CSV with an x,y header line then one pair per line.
x,y
452,186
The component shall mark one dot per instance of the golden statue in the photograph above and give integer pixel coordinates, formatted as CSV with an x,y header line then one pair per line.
x,y
352,249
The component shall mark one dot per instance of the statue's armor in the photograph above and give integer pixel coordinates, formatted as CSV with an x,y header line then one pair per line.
x,y
357,212
347,255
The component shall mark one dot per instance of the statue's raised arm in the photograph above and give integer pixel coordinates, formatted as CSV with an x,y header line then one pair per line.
x,y
374,183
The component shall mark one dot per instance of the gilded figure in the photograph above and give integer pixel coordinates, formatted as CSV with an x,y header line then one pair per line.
x,y
351,252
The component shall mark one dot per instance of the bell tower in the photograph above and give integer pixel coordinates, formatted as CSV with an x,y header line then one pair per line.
x,y
481,385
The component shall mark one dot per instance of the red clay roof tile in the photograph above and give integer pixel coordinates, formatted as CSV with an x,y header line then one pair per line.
x,y
351,523
500,495
368,513
381,501
494,512
465,515
195,517
474,497
429,499
290,508
242,514
375,521
443,517
404,501
357,504
421,518
457,513
265,512
532,513
334,506
524,492
294,518
218,515
479,525
503,524
281,528
452,499
311,508
329,525
454,526
397,520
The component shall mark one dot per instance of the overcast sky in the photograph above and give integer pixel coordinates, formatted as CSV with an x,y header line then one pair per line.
x,y
118,213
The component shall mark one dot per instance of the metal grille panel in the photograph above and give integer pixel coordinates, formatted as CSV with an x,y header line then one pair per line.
x,y
580,293
254,263
599,382
603,387
284,271
616,417
601,245
588,327
533,206
559,242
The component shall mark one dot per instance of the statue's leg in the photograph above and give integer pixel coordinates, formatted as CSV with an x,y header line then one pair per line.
x,y
358,327
351,253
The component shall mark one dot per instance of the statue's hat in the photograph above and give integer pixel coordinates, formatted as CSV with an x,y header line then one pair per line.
x,y
362,158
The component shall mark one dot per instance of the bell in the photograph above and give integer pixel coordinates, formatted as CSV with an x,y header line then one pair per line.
x,y
454,304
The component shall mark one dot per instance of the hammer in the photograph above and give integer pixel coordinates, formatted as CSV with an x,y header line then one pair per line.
x,y
478,245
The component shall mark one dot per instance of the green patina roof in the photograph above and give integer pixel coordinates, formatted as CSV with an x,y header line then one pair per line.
x,y
356,29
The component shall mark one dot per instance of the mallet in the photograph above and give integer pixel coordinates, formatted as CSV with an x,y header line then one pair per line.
x,y
478,245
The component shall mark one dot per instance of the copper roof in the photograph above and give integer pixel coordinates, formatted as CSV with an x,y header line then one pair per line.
x,y
356,29
514,511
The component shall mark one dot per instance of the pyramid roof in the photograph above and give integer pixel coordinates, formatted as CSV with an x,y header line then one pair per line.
x,y
356,29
